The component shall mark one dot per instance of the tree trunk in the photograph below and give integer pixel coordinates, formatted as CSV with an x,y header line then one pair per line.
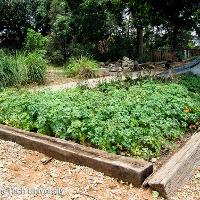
x,y
65,51
174,38
140,41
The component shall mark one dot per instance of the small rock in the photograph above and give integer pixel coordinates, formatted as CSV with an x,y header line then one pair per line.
x,y
126,59
102,64
46,160
4,170
122,154
53,174
43,160
136,65
153,160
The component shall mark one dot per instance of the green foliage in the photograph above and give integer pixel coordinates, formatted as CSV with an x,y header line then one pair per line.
x,y
90,24
8,70
36,68
19,15
21,68
191,82
35,41
82,67
60,19
77,50
180,55
141,120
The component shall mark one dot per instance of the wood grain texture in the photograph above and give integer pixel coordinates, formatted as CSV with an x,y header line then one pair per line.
x,y
178,168
127,169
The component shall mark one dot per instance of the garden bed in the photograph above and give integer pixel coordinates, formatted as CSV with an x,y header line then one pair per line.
x,y
131,117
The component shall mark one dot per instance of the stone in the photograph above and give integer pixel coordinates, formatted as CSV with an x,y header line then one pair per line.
x,y
153,160
136,65
126,59
102,64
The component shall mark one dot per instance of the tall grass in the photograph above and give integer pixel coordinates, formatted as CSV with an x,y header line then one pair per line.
x,y
21,69
36,68
9,75
82,67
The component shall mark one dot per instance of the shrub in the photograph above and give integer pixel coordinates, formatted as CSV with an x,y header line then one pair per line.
x,y
191,81
82,67
77,50
55,57
35,41
8,70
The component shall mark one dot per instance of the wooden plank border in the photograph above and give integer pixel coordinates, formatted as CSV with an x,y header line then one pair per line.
x,y
130,170
178,169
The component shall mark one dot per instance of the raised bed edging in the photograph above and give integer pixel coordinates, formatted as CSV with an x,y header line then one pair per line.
x,y
178,169
128,169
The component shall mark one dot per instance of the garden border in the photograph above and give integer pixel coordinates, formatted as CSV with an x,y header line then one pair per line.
x,y
130,170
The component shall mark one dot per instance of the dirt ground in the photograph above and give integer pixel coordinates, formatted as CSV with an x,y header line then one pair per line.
x,y
23,172
56,75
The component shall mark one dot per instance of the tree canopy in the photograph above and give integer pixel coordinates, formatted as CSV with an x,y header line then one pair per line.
x,y
105,29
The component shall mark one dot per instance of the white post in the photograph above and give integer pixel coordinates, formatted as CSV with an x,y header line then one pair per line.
x,y
185,54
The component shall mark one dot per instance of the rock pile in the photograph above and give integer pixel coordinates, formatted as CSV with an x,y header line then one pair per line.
x,y
124,65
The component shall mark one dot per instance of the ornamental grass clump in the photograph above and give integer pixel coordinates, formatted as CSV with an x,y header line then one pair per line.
x,y
82,67
21,68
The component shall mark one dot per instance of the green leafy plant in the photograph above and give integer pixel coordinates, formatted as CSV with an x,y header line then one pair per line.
x,y
36,68
192,82
82,67
141,119
35,41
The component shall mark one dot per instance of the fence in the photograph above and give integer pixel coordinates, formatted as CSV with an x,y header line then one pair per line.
x,y
163,55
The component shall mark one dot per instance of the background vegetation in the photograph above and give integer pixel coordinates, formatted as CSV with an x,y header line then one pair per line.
x,y
103,29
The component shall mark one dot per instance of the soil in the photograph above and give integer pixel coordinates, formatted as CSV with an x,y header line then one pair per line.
x,y
56,75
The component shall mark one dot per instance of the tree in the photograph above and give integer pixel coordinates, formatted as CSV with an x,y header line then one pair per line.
x,y
19,15
178,13
60,19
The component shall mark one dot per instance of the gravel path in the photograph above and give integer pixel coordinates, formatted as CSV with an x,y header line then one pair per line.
x,y
21,168
94,81
23,172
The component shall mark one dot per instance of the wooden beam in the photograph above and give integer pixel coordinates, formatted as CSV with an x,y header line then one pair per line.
x,y
124,168
178,168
